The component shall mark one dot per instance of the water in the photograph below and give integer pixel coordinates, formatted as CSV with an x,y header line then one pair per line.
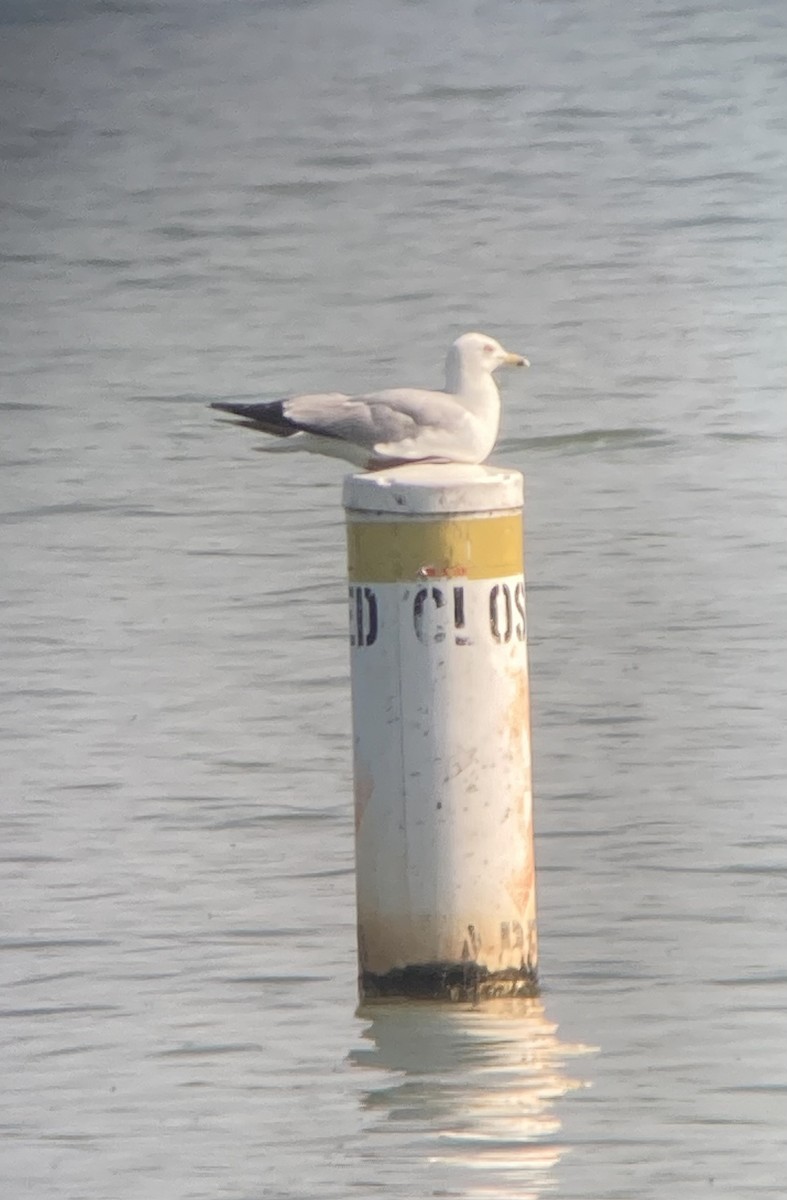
x,y
208,201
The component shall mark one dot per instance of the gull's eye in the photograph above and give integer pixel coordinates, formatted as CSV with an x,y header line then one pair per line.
x,y
488,348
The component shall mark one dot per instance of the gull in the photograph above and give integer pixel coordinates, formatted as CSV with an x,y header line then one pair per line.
x,y
399,425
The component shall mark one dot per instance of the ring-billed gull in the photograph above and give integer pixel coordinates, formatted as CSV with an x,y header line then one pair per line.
x,y
399,425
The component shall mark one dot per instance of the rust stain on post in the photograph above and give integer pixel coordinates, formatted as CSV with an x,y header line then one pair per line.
x,y
363,790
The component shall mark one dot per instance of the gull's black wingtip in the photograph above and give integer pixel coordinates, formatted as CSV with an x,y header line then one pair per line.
x,y
238,410
267,417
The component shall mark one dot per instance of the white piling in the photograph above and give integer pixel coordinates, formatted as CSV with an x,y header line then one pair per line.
x,y
443,807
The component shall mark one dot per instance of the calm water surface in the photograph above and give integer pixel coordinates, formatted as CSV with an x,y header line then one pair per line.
x,y
207,201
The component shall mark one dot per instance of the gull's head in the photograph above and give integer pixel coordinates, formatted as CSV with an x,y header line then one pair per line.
x,y
477,352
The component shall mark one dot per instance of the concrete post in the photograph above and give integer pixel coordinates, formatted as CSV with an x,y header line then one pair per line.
x,y
444,834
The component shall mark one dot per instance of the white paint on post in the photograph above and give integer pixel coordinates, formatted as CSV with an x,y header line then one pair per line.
x,y
444,837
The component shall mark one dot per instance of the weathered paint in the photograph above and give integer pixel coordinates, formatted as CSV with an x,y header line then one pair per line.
x,y
444,841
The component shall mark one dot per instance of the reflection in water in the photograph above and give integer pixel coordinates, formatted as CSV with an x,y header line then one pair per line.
x,y
472,1090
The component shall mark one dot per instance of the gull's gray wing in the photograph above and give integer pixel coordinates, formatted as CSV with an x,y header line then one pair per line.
x,y
403,424
397,419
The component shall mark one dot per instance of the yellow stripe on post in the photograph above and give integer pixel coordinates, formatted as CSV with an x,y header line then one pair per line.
x,y
465,548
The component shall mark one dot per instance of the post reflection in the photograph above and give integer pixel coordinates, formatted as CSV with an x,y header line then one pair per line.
x,y
468,1094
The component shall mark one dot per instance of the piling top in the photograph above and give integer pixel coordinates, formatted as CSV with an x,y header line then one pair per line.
x,y
425,488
